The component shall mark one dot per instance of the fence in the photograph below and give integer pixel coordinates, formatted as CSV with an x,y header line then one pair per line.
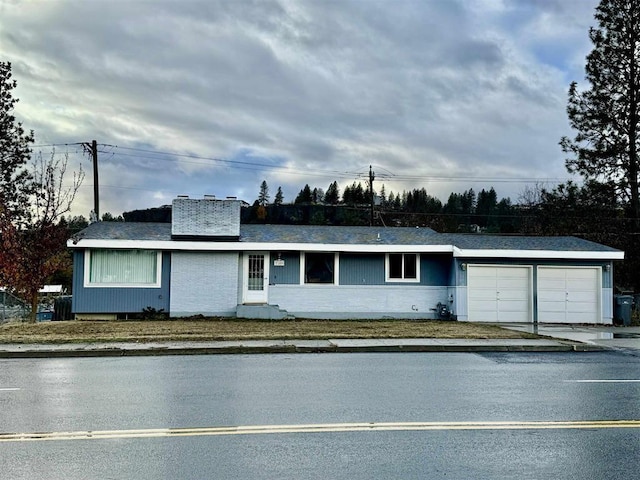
x,y
11,307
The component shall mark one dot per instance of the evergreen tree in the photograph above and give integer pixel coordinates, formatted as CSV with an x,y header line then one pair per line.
x,y
332,197
263,196
395,202
383,196
391,200
347,195
305,195
486,206
317,195
607,114
279,198
108,217
15,179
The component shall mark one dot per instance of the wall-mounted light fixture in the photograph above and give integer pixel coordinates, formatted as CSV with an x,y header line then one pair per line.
x,y
463,266
607,267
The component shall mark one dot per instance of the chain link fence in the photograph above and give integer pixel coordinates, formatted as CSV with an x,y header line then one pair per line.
x,y
12,308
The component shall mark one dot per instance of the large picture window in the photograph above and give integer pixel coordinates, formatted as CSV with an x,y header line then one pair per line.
x,y
122,268
403,267
320,268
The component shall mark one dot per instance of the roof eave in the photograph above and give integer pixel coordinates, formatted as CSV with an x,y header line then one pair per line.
x,y
169,245
533,254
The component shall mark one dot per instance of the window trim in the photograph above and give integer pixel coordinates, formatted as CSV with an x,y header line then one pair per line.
x,y
387,269
87,272
336,270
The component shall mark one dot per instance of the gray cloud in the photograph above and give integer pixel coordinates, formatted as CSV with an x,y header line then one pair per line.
x,y
457,88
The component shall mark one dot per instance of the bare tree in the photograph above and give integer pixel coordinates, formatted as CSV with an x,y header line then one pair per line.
x,y
37,249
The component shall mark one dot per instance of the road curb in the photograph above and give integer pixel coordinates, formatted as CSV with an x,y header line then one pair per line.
x,y
292,348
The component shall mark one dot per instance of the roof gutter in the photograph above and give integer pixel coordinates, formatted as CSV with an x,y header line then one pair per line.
x,y
539,254
255,246
352,248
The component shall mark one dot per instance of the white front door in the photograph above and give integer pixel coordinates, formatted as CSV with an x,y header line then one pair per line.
x,y
256,277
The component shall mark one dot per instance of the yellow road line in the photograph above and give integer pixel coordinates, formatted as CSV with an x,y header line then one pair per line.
x,y
313,428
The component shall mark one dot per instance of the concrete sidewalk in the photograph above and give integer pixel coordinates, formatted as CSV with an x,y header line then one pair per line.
x,y
292,346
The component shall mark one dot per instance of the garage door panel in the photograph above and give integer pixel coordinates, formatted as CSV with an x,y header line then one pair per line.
x,y
499,293
581,273
483,305
587,283
577,317
552,305
555,317
581,307
512,284
512,272
522,294
569,295
581,297
510,306
553,284
517,316
550,273
558,295
483,281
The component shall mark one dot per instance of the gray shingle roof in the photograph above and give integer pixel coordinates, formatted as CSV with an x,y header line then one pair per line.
x,y
521,242
331,235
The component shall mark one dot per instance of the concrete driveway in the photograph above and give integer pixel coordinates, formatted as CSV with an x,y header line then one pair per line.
x,y
607,336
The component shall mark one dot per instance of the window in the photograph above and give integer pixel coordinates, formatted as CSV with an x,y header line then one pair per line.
x,y
403,267
122,268
320,268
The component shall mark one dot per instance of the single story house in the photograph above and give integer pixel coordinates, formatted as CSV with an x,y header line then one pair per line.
x,y
206,263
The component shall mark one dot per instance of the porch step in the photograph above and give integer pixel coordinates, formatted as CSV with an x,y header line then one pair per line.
x,y
262,311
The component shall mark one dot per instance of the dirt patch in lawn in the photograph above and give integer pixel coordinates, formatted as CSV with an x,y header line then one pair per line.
x,y
219,329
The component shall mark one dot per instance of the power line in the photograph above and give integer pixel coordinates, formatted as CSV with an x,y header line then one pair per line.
x,y
386,177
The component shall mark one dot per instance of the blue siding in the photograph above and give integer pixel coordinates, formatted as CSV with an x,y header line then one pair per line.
x,y
289,274
361,269
434,270
118,300
368,269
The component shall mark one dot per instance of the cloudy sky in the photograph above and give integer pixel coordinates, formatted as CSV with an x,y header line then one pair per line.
x,y
212,97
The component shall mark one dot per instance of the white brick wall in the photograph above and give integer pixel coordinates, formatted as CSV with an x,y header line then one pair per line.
x,y
357,301
205,217
204,283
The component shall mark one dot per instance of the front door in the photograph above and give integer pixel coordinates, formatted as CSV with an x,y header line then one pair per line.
x,y
256,277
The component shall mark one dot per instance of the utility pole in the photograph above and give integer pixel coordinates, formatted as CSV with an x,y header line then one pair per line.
x,y
92,149
371,179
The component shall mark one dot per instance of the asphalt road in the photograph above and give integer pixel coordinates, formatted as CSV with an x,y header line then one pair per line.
x,y
410,415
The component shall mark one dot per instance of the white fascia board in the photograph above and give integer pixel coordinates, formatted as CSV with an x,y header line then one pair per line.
x,y
538,254
255,246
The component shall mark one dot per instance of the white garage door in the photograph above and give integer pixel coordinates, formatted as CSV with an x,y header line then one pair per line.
x,y
499,294
569,295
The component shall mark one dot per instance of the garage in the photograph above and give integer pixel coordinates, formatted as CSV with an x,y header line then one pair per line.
x,y
499,293
569,295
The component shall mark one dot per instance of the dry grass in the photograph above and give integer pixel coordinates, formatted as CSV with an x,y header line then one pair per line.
x,y
218,329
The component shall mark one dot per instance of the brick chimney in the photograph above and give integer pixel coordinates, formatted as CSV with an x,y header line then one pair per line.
x,y
205,219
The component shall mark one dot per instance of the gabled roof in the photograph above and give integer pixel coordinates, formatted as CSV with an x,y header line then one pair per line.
x,y
346,239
